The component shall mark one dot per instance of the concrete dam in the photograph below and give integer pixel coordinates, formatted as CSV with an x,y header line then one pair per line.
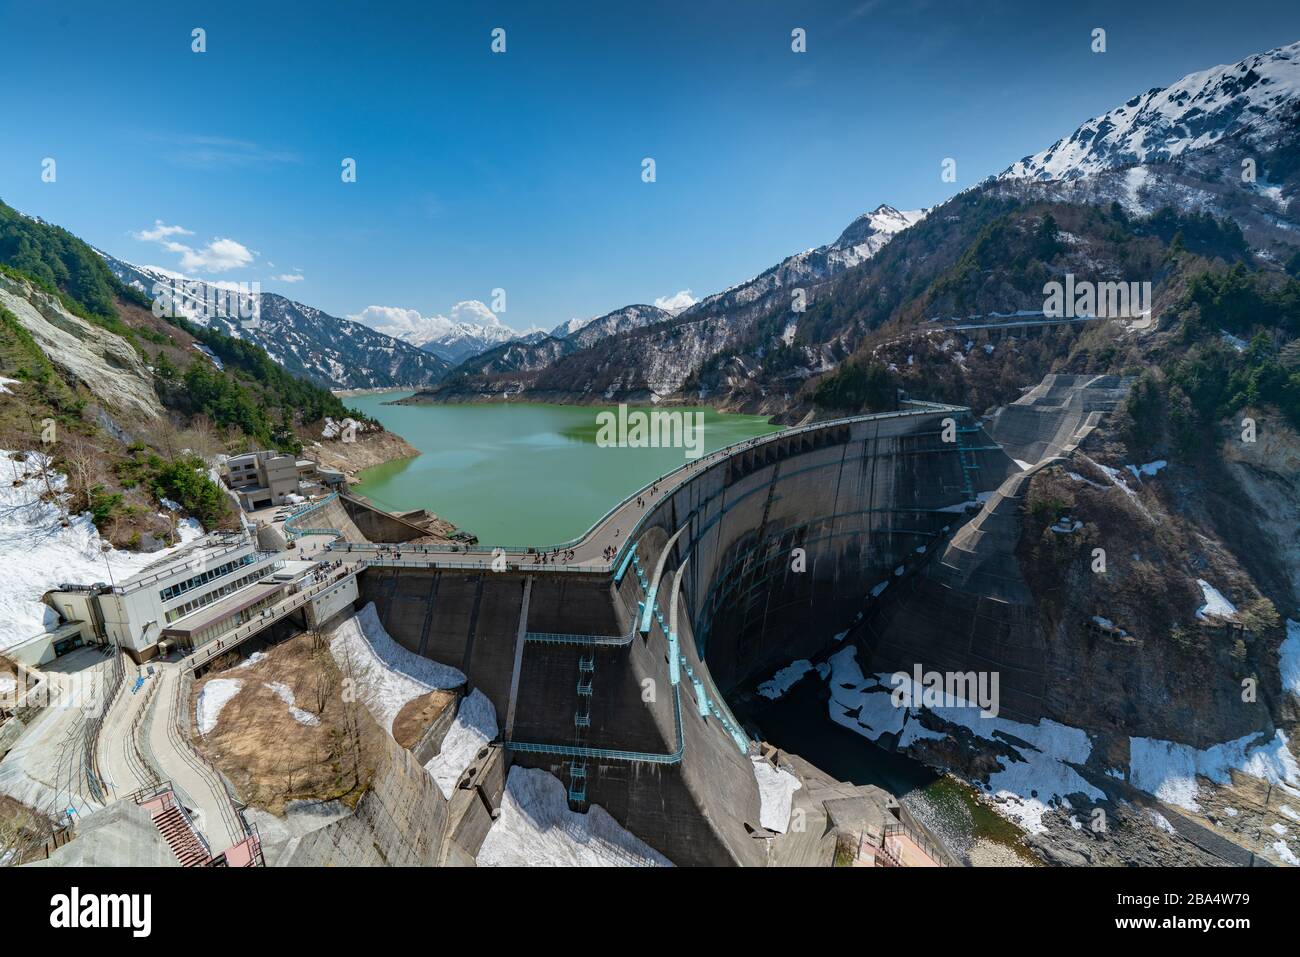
x,y
614,674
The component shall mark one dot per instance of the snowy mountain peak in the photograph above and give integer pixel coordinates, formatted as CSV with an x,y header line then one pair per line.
x,y
470,329
1247,98
572,326
882,222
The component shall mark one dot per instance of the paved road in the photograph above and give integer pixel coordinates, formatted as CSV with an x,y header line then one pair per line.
x,y
198,785
120,759
144,741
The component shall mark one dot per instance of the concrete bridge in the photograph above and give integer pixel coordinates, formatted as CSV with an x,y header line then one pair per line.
x,y
613,672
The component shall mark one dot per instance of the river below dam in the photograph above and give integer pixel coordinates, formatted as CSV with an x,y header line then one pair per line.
x,y
798,721
521,474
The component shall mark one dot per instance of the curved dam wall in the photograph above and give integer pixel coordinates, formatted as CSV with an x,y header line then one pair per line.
x,y
616,680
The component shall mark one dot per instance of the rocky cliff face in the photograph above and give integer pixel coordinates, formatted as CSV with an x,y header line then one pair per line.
x,y
101,360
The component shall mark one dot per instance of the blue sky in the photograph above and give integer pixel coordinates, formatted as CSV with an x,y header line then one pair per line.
x,y
522,171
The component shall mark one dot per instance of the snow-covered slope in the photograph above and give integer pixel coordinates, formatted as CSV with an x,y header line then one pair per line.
x,y
565,329
40,551
331,352
386,675
620,320
1248,98
585,332
536,828
861,239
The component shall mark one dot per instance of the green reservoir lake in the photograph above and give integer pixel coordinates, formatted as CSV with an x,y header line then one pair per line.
x,y
520,474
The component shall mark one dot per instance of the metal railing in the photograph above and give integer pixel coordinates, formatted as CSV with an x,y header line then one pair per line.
x,y
209,650
932,849
95,724
135,584
290,523
178,736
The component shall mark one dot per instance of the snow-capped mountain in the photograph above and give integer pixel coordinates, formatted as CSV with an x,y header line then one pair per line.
x,y
1250,98
681,343
329,351
534,352
861,239
471,328
565,329
620,320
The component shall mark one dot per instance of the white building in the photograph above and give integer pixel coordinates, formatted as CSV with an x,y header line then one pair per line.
x,y
175,597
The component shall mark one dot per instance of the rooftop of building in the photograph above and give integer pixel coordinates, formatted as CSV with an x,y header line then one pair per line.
x,y
202,550
219,611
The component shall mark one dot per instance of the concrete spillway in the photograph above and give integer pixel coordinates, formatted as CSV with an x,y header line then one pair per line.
x,y
614,674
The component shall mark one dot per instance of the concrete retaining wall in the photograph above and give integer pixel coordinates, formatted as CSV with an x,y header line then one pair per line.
x,y
861,499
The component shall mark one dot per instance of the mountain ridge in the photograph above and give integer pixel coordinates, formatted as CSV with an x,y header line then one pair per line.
x,y
308,342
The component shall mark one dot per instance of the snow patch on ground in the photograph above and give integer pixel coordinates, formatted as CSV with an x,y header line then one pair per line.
x,y
536,827
1169,770
1160,821
1285,854
776,788
1215,603
387,676
1289,658
860,704
475,726
251,660
38,553
784,679
979,499
1149,469
1032,779
285,694
213,697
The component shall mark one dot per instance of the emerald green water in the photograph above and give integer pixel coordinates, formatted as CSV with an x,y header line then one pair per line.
x,y
519,474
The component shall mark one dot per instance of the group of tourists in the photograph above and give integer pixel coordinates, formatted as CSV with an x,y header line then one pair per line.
x,y
553,557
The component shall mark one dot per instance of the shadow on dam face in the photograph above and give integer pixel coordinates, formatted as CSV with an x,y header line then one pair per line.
x,y
615,677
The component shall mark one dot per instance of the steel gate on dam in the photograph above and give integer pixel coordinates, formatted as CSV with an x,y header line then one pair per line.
x,y
613,675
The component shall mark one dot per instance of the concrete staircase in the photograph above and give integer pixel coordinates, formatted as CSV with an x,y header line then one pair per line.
x,y
178,830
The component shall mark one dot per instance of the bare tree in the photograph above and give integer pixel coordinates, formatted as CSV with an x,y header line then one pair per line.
x,y
80,460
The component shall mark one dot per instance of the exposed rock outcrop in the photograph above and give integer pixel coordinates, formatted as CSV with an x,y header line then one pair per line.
x,y
101,360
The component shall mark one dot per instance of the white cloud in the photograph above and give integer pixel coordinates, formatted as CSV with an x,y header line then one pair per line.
x,y
676,302
217,256
413,327
475,312
220,153
290,277
160,231
392,320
